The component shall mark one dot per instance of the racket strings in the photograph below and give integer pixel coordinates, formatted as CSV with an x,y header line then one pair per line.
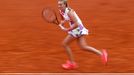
x,y
50,15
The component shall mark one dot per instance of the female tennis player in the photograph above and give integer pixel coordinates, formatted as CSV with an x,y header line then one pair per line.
x,y
75,31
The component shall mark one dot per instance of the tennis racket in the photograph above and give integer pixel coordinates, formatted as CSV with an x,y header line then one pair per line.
x,y
50,16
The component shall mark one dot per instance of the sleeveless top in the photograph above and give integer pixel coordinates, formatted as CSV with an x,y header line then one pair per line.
x,y
67,18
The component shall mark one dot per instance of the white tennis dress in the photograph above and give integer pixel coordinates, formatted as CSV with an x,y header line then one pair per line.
x,y
80,30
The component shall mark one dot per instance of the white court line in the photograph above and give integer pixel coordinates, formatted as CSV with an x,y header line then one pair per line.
x,y
66,73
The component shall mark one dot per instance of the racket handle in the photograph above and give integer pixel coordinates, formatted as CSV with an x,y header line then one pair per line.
x,y
62,27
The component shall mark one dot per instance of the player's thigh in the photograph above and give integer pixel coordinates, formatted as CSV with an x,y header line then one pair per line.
x,y
68,39
82,41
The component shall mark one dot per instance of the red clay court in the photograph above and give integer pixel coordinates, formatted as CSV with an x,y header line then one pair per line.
x,y
29,44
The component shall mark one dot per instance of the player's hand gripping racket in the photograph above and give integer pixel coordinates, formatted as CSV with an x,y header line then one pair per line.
x,y
50,16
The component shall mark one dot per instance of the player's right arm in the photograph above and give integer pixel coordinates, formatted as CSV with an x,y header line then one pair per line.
x,y
61,24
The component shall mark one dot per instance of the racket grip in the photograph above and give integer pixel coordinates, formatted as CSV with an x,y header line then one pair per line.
x,y
62,27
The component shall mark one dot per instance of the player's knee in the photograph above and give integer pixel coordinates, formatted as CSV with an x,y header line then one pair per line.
x,y
84,47
64,44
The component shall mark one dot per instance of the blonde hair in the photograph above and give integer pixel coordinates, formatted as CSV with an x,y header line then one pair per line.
x,y
65,2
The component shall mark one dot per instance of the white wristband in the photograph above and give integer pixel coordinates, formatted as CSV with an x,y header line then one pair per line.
x,y
61,26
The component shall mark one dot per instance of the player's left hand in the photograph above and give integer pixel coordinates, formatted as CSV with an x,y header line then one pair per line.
x,y
65,30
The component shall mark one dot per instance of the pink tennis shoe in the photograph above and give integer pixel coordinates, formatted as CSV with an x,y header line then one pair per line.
x,y
68,65
104,57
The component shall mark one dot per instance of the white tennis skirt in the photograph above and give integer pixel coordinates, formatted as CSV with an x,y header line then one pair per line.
x,y
78,32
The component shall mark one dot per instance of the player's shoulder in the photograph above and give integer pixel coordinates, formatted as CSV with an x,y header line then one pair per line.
x,y
70,10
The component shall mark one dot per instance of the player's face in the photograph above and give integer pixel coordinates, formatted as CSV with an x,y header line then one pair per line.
x,y
61,5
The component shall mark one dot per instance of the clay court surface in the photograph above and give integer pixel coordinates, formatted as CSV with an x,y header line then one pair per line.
x,y
29,44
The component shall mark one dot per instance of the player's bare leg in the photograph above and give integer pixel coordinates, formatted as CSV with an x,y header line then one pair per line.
x,y
70,64
66,43
82,43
